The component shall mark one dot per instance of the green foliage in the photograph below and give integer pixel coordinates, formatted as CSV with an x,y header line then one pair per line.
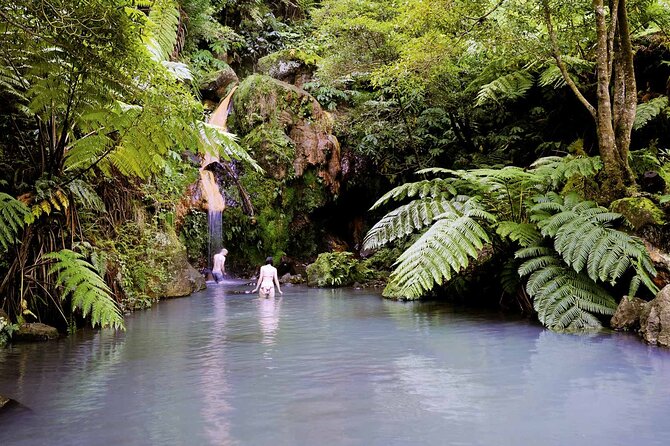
x,y
6,330
564,299
78,279
510,86
334,269
568,245
647,111
13,216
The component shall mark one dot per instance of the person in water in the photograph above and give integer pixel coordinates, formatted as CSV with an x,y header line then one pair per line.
x,y
219,265
267,279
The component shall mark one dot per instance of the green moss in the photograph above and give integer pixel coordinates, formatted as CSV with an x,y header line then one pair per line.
x,y
332,269
309,60
261,99
639,211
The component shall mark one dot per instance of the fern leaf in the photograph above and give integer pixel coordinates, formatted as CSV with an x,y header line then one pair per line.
x,y
563,298
161,31
510,86
84,194
14,215
88,291
647,111
422,189
525,234
443,250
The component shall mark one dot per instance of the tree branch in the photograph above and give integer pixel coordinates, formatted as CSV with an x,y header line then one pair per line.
x,y
559,61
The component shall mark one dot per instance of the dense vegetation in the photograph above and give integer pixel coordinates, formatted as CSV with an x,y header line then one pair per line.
x,y
538,131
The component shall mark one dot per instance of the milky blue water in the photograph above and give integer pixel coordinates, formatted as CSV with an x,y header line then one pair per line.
x,y
333,367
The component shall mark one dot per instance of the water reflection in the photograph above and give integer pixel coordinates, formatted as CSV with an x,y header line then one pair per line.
x,y
334,367
268,318
214,386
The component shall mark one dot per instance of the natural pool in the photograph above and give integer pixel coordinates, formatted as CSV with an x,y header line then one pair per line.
x,y
333,367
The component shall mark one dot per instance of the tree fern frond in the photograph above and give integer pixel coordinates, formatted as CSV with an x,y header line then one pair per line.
x,y
221,144
510,86
525,234
84,194
161,30
563,298
88,291
422,189
443,250
585,241
14,215
647,111
409,218
556,170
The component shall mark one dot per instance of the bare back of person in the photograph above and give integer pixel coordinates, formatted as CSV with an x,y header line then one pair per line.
x,y
267,279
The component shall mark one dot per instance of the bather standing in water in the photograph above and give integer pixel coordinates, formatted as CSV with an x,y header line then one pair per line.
x,y
219,265
267,279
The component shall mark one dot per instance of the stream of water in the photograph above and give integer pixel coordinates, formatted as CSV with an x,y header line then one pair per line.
x,y
332,367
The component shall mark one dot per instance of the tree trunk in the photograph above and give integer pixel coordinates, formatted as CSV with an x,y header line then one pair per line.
x,y
614,113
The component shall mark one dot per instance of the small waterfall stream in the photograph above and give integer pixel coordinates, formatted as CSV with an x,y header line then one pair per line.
x,y
208,185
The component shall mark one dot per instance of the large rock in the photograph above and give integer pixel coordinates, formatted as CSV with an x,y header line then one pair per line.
x,y
627,315
216,86
292,66
34,332
655,319
287,130
184,279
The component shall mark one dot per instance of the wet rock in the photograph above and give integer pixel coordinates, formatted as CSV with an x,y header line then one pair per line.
x,y
34,332
291,66
287,130
661,261
655,319
627,315
184,279
216,86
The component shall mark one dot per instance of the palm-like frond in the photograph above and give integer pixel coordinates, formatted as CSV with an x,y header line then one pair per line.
x,y
88,291
221,144
647,111
510,86
85,196
525,234
14,215
409,218
426,188
584,238
563,298
442,251
556,170
161,29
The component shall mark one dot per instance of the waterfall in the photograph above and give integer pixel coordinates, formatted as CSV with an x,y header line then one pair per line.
x,y
208,185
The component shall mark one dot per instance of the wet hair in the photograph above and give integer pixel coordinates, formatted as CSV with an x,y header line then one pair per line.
x,y
268,261
224,251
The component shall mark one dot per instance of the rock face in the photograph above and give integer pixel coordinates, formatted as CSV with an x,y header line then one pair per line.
x,y
655,319
627,315
184,279
291,66
287,130
34,332
639,211
217,85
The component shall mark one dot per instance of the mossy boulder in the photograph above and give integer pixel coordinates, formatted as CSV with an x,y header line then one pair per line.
x,y
639,211
216,85
34,332
286,130
291,65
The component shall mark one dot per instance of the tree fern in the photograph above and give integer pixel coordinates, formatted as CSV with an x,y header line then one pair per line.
x,y
78,279
161,30
510,86
647,111
563,298
556,170
442,251
411,217
584,238
14,215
